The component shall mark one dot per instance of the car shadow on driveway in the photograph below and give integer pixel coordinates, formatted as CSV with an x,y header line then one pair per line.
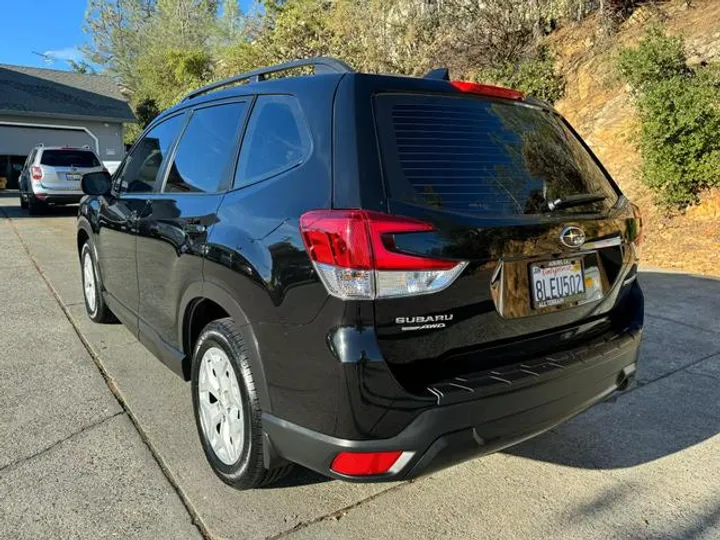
x,y
675,404
15,212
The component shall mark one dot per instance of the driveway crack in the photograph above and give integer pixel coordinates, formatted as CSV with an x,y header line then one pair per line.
x,y
337,514
20,461
184,499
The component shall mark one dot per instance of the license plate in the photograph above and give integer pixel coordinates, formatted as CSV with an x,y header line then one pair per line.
x,y
557,282
73,177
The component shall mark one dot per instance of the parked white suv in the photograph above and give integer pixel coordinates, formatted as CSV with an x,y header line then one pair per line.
x,y
51,175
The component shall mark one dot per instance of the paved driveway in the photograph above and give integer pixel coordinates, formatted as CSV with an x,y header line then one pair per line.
x,y
97,438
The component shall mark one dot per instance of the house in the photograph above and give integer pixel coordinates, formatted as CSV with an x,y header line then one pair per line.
x,y
58,108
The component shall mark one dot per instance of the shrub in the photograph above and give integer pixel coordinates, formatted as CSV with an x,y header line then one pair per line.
x,y
679,118
535,76
656,58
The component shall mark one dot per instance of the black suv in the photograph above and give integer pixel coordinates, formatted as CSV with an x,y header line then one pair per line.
x,y
371,276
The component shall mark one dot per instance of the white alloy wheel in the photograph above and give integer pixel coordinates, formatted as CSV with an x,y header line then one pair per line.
x,y
89,284
221,410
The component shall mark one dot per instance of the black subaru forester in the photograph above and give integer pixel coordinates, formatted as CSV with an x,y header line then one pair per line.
x,y
371,276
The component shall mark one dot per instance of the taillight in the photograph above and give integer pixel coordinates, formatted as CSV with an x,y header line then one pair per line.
x,y
365,463
487,90
354,254
36,173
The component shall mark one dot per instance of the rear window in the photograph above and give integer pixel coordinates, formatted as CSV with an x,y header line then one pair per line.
x,y
483,156
69,158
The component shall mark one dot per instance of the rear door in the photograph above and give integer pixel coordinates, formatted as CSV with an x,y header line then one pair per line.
x,y
174,227
485,172
121,211
63,168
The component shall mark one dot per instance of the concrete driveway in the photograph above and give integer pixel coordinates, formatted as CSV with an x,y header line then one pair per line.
x,y
97,438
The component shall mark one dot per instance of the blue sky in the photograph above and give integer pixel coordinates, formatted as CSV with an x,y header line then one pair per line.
x,y
50,27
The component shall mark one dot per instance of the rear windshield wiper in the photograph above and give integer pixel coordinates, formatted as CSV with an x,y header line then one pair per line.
x,y
575,200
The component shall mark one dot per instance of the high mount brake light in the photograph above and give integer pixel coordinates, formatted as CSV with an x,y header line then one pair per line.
x,y
488,90
354,254
36,173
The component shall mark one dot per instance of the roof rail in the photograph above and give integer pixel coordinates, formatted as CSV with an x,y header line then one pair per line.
x,y
322,64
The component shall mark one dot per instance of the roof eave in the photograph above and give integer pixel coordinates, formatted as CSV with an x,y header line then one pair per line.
x,y
60,116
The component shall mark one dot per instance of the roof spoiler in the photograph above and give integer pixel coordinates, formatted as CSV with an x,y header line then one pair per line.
x,y
441,74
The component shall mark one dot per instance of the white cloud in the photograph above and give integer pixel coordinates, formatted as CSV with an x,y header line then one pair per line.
x,y
66,53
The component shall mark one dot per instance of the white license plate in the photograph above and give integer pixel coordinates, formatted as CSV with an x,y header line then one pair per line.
x,y
73,177
557,282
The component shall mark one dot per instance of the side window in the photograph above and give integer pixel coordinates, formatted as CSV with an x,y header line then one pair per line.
x,y
204,150
141,168
277,139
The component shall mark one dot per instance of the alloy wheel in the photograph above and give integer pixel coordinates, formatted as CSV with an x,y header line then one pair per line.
x,y
89,282
221,410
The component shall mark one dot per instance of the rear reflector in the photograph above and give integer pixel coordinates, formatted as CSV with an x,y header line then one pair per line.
x,y
36,173
354,254
364,463
488,90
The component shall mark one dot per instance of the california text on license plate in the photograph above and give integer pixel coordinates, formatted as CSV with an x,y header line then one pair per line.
x,y
557,282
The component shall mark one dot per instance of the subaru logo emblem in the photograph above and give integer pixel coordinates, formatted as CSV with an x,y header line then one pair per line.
x,y
572,237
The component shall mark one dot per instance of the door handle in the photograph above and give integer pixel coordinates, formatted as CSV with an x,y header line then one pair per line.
x,y
195,228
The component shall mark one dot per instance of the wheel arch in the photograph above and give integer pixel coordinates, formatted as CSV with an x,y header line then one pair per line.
x,y
211,302
84,233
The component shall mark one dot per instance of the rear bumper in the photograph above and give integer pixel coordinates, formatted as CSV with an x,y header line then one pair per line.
x,y
51,197
448,434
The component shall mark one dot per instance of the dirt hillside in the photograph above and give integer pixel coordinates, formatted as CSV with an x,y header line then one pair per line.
x,y
600,107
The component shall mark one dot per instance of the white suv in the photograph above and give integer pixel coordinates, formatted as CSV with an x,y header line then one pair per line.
x,y
51,175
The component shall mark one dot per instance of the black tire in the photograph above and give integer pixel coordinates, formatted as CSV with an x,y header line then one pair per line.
x,y
248,471
23,202
101,312
35,207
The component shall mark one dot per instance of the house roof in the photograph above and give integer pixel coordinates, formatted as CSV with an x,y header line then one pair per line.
x,y
43,92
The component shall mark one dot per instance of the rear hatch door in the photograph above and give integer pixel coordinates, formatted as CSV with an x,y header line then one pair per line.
x,y
63,168
492,176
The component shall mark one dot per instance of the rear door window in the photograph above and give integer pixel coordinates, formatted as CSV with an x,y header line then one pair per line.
x,y
69,158
205,149
277,140
483,156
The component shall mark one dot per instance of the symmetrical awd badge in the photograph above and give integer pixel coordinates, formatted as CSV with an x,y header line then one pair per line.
x,y
572,237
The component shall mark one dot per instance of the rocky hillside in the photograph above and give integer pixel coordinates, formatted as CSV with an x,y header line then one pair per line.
x,y
601,108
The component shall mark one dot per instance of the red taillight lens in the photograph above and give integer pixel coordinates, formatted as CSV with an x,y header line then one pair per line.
x,y
364,463
487,90
36,173
362,240
355,256
337,237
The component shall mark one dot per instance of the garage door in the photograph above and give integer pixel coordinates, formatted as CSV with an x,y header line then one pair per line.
x,y
16,140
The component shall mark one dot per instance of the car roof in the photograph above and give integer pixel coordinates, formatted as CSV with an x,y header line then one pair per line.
x,y
285,85
244,85
84,148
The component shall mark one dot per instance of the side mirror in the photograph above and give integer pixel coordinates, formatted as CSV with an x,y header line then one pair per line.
x,y
96,183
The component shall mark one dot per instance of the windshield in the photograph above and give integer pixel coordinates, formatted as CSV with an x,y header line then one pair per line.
x,y
484,156
69,158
